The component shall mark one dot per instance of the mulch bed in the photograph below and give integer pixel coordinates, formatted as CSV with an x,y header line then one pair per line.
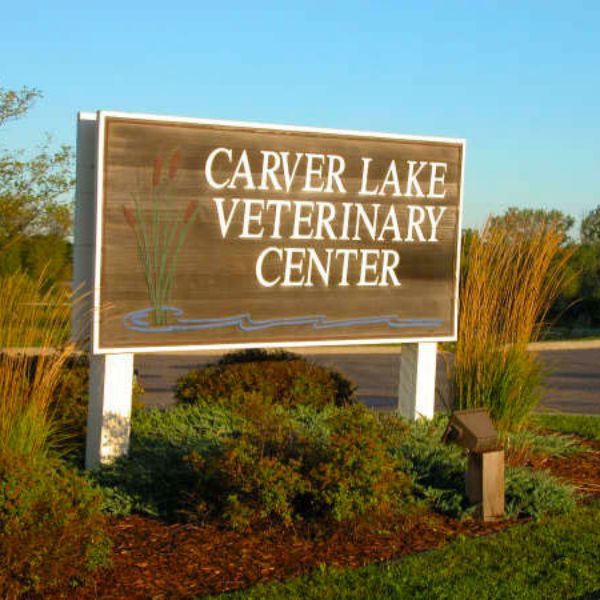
x,y
582,470
156,560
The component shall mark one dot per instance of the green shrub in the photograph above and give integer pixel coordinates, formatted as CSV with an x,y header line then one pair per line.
x,y
354,474
154,479
288,381
259,461
52,532
252,355
439,470
253,459
289,464
536,493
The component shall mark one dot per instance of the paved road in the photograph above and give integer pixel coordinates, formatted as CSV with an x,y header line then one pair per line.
x,y
572,382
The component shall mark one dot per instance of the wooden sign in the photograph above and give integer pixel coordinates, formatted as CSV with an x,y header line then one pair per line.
x,y
212,235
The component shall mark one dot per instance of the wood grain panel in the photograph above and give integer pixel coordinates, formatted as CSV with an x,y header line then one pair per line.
x,y
213,277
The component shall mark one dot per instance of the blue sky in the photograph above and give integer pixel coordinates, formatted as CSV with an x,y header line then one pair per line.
x,y
519,80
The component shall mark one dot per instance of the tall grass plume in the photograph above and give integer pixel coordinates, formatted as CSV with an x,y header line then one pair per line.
x,y
34,326
511,279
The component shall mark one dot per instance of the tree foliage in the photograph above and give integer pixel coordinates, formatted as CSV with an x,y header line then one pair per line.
x,y
14,104
32,187
590,227
527,221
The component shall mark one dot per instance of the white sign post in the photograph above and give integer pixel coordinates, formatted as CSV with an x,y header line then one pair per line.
x,y
111,375
416,389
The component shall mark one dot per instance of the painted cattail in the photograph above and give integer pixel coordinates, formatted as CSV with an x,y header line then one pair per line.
x,y
190,211
174,164
129,217
157,172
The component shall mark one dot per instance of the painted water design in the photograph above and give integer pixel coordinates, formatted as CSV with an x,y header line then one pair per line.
x,y
142,321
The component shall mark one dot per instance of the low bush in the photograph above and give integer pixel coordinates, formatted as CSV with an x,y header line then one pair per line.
x,y
252,355
536,493
281,376
438,471
52,532
154,479
301,464
262,461
257,460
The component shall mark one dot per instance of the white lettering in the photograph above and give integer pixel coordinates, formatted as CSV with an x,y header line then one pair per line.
x,y
434,222
259,267
249,218
312,171
224,223
209,165
365,179
412,178
435,179
243,171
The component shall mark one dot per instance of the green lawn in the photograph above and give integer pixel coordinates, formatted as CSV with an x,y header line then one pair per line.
x,y
554,558
585,426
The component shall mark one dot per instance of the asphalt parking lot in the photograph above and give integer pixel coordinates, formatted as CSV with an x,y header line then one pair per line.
x,y
572,379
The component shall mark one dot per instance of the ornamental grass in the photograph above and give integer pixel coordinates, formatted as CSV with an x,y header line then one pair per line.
x,y
34,320
512,279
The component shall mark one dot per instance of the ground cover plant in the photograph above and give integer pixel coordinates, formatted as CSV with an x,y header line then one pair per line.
x,y
248,459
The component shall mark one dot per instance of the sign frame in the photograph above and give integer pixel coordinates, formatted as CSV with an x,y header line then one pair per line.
x,y
101,118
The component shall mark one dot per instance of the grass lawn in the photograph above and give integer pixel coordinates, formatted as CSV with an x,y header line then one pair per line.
x,y
582,425
554,558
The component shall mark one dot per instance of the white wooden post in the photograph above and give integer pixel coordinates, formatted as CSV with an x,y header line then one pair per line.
x,y
109,409
111,375
416,390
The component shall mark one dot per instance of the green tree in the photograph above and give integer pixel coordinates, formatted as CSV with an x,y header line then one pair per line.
x,y
579,302
528,220
590,227
32,187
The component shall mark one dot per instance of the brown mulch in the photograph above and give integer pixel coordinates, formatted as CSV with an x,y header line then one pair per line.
x,y
582,470
156,560
152,559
